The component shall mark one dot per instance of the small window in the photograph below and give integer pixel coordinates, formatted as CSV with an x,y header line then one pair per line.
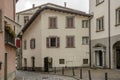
x,y
26,19
99,2
70,42
52,42
85,24
118,16
85,61
32,43
85,40
25,44
61,61
100,24
52,22
70,22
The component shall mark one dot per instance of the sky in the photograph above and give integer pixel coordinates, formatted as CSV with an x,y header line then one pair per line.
x,y
82,5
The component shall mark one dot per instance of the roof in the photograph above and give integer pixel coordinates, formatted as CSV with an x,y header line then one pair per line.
x,y
54,7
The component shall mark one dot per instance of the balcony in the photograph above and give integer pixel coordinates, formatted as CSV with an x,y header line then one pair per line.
x,y
9,36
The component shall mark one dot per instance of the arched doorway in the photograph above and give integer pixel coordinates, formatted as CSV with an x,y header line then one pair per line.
x,y
116,49
33,63
99,56
47,63
25,63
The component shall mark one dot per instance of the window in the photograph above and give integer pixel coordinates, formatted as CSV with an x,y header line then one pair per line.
x,y
118,16
26,19
52,22
70,42
99,2
25,44
70,22
85,40
52,42
85,24
100,24
32,43
85,61
61,61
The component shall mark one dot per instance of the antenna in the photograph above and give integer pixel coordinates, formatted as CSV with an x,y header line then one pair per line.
x,y
65,4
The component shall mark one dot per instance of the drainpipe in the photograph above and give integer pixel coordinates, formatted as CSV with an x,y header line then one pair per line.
x,y
90,41
109,38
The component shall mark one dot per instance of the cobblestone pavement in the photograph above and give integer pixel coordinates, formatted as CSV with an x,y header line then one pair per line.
x,y
24,75
96,74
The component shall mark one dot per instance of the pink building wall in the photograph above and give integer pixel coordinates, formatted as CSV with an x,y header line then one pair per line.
x,y
8,9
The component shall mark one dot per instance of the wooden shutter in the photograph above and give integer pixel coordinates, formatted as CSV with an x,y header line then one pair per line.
x,y
47,42
18,43
58,42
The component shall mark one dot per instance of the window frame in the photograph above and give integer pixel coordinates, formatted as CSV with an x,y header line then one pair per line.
x,y
25,44
117,17
51,23
84,62
87,40
26,19
99,2
61,61
70,41
68,23
100,28
83,23
48,42
32,43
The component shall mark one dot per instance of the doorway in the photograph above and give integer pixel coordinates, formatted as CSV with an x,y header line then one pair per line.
x,y
118,58
99,58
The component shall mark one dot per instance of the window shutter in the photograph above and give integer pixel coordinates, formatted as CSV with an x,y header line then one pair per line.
x,y
58,42
47,42
18,43
33,43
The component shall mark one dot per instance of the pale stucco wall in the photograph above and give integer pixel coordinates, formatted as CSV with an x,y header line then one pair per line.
x,y
39,30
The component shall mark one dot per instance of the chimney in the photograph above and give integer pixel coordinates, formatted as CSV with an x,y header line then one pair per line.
x,y
65,4
33,6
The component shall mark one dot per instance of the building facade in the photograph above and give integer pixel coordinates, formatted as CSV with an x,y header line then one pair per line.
x,y
105,35
7,39
55,36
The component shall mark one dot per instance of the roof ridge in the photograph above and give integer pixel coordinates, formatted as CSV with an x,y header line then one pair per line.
x,y
46,4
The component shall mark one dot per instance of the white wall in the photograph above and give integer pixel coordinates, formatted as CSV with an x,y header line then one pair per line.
x,y
39,30
72,55
99,11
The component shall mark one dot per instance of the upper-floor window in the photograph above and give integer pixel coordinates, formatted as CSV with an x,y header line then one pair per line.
x,y
25,44
85,40
99,2
26,19
100,24
32,43
52,42
70,42
85,24
52,22
70,22
118,16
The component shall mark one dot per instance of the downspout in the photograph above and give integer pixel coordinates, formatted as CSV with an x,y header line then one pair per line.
x,y
109,38
90,41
